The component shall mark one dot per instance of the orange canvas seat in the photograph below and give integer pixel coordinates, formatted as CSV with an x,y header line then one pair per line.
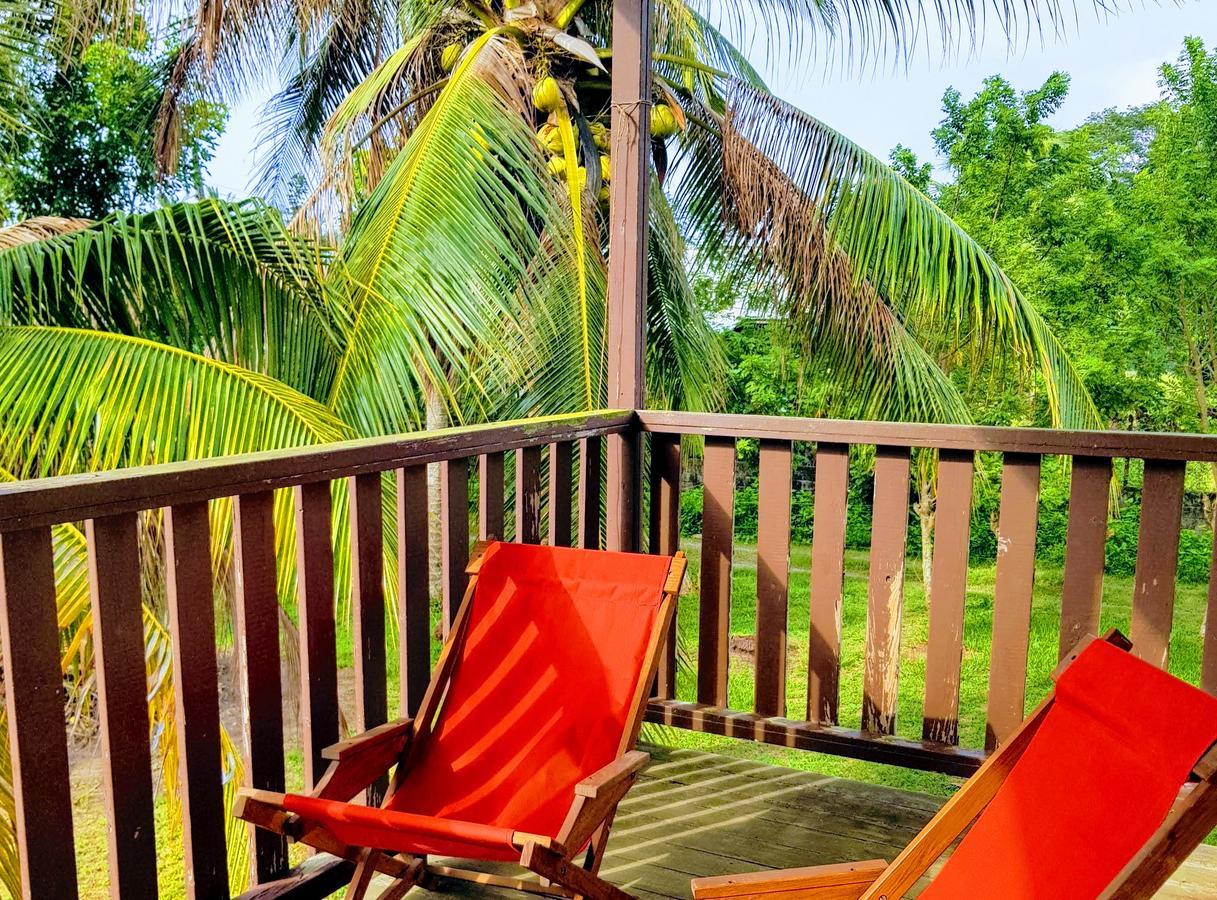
x,y
540,688
1075,804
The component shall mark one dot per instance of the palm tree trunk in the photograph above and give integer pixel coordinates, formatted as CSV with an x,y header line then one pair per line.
x,y
924,507
437,417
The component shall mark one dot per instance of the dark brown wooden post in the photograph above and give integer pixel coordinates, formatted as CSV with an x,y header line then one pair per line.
x,y
188,589
256,627
665,537
591,454
368,610
627,284
37,742
559,493
454,534
413,589
528,496
122,688
315,605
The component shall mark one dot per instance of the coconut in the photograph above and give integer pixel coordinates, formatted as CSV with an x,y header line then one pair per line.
x,y
606,171
600,135
550,138
557,166
663,121
449,57
603,196
546,95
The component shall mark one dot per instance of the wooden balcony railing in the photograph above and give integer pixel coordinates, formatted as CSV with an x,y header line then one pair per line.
x,y
366,491
189,494
817,727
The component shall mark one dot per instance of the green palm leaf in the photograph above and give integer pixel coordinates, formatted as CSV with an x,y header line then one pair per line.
x,y
222,279
79,401
438,258
685,364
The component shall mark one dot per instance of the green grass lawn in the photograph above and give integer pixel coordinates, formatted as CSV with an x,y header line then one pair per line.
x,y
1185,656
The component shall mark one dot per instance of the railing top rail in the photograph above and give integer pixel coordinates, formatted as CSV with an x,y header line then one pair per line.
x,y
1044,441
51,501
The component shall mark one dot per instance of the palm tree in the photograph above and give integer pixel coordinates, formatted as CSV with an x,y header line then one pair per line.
x,y
449,261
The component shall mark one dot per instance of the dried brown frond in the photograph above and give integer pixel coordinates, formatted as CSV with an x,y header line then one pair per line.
x,y
40,228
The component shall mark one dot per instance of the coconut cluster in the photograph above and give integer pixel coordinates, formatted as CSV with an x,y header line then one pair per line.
x,y
547,98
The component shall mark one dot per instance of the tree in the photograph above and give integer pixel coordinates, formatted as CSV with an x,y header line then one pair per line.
x,y
1173,196
80,144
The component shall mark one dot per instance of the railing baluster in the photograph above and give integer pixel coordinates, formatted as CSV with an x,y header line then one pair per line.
x,y
885,592
256,628
1017,515
948,591
454,529
413,588
827,582
318,659
1208,673
1153,604
717,539
772,576
665,535
591,458
528,495
1085,543
559,493
37,741
196,693
122,689
490,496
368,607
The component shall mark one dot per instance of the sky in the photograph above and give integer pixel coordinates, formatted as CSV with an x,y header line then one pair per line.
x,y
1113,61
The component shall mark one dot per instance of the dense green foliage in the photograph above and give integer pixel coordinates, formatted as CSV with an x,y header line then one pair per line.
x,y
81,143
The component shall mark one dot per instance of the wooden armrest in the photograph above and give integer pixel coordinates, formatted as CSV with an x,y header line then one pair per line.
x,y
359,761
395,732
625,766
841,881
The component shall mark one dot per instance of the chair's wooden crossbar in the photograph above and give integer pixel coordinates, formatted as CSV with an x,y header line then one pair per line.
x,y
360,760
836,880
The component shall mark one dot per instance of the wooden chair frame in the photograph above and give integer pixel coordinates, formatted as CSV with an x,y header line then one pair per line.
x,y
360,761
1193,816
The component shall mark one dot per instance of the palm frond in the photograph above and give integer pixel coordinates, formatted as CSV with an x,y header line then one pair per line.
x,y
742,210
931,272
435,257
221,279
860,33
78,401
685,364
352,44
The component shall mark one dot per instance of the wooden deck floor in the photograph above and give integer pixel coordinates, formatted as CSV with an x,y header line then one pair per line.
x,y
696,813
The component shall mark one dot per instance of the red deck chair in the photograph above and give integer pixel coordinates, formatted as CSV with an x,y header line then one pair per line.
x,y
523,744
1084,800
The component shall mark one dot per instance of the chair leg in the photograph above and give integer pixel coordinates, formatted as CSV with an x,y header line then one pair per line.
x,y
399,887
597,845
365,871
550,864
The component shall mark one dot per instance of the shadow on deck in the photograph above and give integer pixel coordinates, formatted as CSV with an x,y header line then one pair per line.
x,y
695,813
